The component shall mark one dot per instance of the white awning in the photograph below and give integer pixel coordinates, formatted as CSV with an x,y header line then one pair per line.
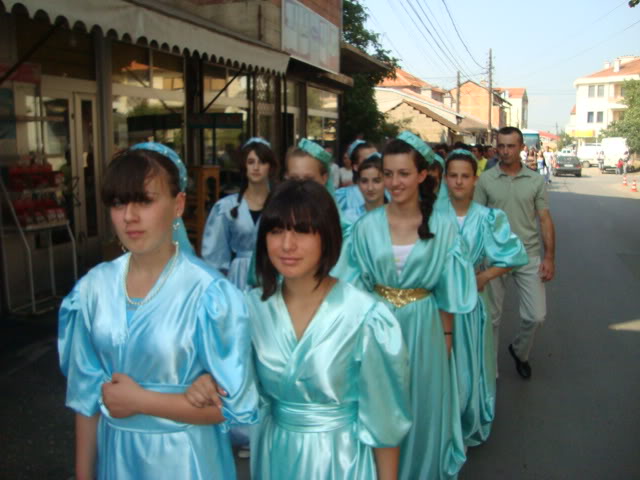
x,y
183,32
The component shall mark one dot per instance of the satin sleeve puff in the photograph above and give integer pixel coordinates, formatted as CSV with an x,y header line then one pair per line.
x,y
456,290
502,247
79,361
359,258
384,416
224,347
216,239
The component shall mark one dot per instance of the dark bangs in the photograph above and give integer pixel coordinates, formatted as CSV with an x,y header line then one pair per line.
x,y
305,207
126,175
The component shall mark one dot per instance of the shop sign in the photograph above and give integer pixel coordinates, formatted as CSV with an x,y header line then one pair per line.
x,y
215,120
310,37
583,133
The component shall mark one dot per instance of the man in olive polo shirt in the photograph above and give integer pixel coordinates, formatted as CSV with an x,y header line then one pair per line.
x,y
521,193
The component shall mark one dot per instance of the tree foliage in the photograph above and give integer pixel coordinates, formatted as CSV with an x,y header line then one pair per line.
x,y
359,108
633,3
566,140
629,126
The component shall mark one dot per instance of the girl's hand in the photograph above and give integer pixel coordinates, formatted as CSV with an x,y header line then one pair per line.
x,y
481,279
205,392
122,396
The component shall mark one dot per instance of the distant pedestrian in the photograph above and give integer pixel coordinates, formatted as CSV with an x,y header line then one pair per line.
x,y
619,166
523,196
600,158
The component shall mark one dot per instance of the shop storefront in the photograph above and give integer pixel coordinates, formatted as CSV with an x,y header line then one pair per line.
x,y
90,78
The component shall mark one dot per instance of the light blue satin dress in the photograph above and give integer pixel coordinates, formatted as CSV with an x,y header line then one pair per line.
x,y
227,242
198,322
332,396
490,241
433,449
349,198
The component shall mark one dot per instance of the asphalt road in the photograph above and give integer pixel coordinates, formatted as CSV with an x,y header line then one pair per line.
x,y
578,417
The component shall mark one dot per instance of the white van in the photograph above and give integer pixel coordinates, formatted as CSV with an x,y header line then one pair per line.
x,y
588,154
614,149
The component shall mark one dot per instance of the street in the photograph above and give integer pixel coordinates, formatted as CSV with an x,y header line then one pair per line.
x,y
577,418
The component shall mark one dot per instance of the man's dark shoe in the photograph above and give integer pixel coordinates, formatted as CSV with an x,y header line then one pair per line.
x,y
523,368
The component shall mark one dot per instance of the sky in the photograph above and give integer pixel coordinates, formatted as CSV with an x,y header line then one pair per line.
x,y
543,46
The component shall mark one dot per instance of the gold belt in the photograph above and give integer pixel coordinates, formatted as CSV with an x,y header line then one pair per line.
x,y
401,296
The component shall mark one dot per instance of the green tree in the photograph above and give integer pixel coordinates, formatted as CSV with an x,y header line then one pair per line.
x,y
359,107
566,140
633,3
629,125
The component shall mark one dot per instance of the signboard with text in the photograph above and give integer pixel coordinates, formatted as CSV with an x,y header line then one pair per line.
x,y
310,37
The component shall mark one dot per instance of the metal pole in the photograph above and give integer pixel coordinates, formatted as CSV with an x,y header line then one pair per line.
x,y
490,94
458,95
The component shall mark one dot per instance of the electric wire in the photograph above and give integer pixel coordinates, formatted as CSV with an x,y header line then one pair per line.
x,y
455,27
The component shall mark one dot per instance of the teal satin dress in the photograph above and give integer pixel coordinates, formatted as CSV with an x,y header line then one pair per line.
x,y
227,242
433,449
332,396
348,198
198,322
490,241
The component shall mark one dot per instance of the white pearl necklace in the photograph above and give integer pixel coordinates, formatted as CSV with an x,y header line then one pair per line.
x,y
156,288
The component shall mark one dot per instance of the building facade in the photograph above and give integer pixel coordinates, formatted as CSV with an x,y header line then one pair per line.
x,y
517,112
599,98
82,79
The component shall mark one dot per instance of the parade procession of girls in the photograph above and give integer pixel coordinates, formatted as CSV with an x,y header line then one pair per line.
x,y
336,326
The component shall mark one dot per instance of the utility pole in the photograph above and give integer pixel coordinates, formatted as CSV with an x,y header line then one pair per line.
x,y
490,94
458,95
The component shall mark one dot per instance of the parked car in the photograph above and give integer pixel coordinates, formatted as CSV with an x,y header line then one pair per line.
x,y
567,164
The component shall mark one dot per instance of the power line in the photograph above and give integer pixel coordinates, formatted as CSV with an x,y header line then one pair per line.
x,y
540,70
453,58
445,34
458,33
443,63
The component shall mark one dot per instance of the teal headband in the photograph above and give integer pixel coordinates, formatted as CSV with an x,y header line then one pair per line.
x,y
353,146
461,151
256,140
171,155
316,151
418,144
374,156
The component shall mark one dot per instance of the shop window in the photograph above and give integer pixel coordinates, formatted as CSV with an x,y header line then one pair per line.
x,y
293,94
167,72
238,89
214,78
130,65
67,53
264,89
148,119
321,100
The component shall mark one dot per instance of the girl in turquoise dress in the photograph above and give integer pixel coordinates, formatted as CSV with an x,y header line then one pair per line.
x,y
351,197
491,243
370,182
230,232
135,332
409,254
330,359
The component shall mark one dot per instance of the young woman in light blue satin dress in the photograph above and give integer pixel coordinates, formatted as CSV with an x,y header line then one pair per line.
x,y
230,232
331,364
135,332
494,250
410,255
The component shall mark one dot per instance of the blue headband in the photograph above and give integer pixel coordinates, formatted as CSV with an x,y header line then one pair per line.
x,y
256,140
316,151
418,144
353,146
374,156
462,151
171,155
